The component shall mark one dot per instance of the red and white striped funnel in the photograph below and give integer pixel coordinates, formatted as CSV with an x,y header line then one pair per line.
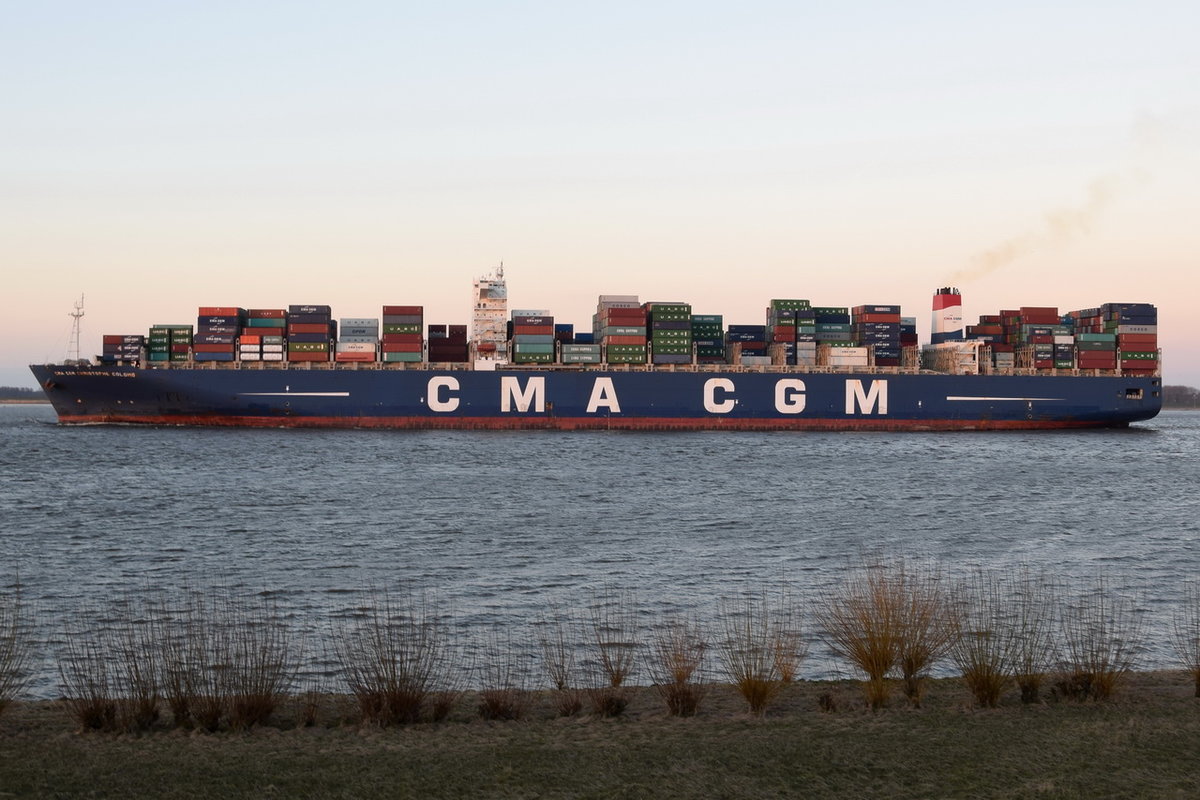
x,y
947,316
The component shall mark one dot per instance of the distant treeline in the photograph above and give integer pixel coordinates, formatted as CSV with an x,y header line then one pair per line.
x,y
18,393
1181,397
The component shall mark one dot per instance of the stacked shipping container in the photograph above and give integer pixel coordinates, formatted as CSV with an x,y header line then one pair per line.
x,y
122,348
620,327
217,330
878,327
448,344
310,333
532,337
669,326
402,339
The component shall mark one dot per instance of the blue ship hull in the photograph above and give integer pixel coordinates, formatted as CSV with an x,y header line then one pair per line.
x,y
704,398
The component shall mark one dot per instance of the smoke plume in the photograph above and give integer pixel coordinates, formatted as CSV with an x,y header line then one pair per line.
x,y
1059,226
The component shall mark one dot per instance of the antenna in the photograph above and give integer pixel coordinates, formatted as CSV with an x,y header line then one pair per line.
x,y
76,315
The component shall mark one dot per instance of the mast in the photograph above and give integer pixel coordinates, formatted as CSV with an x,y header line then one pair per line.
x,y
73,346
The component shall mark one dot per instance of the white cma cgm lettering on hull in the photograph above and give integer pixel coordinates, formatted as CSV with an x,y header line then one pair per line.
x,y
718,396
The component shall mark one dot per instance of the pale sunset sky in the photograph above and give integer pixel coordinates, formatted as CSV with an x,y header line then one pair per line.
x,y
160,156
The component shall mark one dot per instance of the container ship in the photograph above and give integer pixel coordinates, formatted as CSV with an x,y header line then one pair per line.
x,y
642,366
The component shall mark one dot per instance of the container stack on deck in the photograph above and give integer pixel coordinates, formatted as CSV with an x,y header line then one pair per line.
x,y
217,330
708,337
122,348
1117,334
669,326
878,327
448,344
620,328
531,337
358,340
310,333
791,332
402,339
170,343
263,335
746,344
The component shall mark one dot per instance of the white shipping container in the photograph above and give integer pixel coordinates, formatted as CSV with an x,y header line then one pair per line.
x,y
356,322
1064,340
250,356
355,347
272,348
756,361
272,357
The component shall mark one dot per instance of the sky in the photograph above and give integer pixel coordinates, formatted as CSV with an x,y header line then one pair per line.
x,y
157,157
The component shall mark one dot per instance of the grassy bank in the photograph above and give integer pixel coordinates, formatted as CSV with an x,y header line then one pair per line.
x,y
1142,744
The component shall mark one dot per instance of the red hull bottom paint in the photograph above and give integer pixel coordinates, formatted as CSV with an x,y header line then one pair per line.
x,y
591,423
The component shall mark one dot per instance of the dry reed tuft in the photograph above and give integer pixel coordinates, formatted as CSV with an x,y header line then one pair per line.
x,y
392,654
787,637
557,634
614,635
748,650
137,664
85,674
1185,631
16,652
1033,603
982,646
503,694
1102,635
860,622
926,628
264,658
677,663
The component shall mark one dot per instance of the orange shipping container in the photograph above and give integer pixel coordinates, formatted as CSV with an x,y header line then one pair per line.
x,y
219,311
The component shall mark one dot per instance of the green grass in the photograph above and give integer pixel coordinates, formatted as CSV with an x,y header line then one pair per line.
x,y
1141,744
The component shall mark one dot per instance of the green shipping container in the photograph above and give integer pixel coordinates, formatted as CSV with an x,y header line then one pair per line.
x,y
790,305
397,328
308,347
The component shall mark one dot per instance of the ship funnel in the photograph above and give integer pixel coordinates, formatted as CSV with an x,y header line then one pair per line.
x,y
947,316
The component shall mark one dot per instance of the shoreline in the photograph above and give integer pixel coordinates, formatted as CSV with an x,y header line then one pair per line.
x,y
1140,743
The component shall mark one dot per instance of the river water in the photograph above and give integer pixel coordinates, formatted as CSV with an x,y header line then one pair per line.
x,y
500,524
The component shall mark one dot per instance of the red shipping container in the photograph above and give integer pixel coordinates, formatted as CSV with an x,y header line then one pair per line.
x,y
887,362
212,348
401,347
250,338
180,348
307,327
877,318
403,311
625,315
219,311
298,356
1043,363
1041,340
1046,311
533,330
624,339
453,329
267,313
402,338
1149,339
354,357
112,339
